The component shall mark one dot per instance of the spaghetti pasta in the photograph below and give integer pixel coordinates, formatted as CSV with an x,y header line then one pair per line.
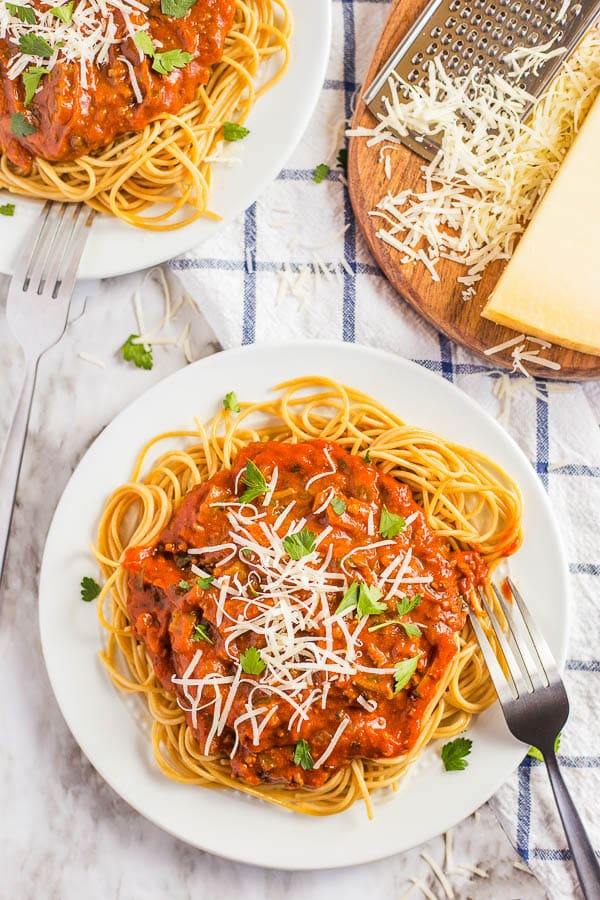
x,y
167,166
468,503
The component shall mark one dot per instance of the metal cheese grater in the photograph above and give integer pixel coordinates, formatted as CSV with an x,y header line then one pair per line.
x,y
467,33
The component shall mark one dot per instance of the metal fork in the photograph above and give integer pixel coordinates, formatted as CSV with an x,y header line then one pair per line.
x,y
37,311
535,705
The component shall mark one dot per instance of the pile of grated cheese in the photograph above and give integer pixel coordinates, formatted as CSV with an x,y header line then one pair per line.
x,y
95,27
477,195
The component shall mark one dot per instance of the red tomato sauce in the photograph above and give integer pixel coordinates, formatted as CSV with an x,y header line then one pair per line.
x,y
166,603
71,120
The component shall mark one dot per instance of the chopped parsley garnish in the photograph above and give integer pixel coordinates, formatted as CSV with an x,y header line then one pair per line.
x,y
90,589
338,506
537,754
246,552
20,126
176,8
31,79
320,173
34,45
300,544
7,209
404,671
24,13
200,633
233,131
404,606
164,63
368,601
454,753
231,402
64,13
302,755
254,481
368,456
184,585
390,525
139,354
349,599
342,159
252,662
205,583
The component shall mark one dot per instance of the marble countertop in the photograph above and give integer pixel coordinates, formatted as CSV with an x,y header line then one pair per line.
x,y
63,832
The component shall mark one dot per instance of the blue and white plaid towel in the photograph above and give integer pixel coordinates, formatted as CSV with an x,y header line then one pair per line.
x,y
256,282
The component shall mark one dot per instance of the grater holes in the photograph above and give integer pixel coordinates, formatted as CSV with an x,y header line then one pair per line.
x,y
472,35
541,5
496,33
447,39
479,4
489,67
466,12
552,12
522,85
512,24
494,50
450,22
492,9
532,38
522,31
526,14
482,43
464,69
431,48
469,52
436,32
516,7
501,17
508,41
454,6
417,58
413,76
444,55
536,21
487,26
461,28
547,29
458,45
453,62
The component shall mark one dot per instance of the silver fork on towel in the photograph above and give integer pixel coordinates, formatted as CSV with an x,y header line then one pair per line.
x,y
37,311
535,705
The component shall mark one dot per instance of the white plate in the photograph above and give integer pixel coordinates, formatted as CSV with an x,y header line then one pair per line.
x,y
230,824
277,123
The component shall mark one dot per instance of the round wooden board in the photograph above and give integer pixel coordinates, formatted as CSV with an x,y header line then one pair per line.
x,y
440,302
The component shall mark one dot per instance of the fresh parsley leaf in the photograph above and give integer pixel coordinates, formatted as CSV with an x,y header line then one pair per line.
x,y
175,8
231,402
390,525
536,754
24,13
164,63
302,755
144,42
90,589
252,662
368,456
300,543
349,599
20,126
184,585
34,45
404,671
254,481
411,629
233,131
406,604
342,159
64,13
368,605
139,354
246,552
31,79
320,173
200,633
205,583
454,753
7,209
338,506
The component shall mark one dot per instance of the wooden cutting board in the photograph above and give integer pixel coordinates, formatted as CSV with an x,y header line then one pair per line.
x,y
440,302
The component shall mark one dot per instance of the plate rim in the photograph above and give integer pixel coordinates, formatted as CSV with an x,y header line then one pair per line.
x,y
97,265
450,819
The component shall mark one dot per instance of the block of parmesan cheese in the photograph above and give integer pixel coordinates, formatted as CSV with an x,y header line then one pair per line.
x,y
551,286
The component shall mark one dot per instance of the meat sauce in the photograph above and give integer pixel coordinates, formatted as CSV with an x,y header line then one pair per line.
x,y
71,120
166,603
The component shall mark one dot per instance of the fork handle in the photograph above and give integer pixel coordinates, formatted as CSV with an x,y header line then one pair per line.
x,y
582,852
10,462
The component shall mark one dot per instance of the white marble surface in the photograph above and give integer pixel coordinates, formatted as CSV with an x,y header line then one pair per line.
x,y
63,832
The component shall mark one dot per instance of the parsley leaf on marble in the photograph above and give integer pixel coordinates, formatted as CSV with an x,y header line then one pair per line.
x,y
139,354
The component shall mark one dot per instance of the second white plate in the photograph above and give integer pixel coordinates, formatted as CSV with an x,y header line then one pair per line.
x,y
277,123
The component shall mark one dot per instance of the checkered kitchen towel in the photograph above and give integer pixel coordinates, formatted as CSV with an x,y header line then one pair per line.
x,y
254,282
